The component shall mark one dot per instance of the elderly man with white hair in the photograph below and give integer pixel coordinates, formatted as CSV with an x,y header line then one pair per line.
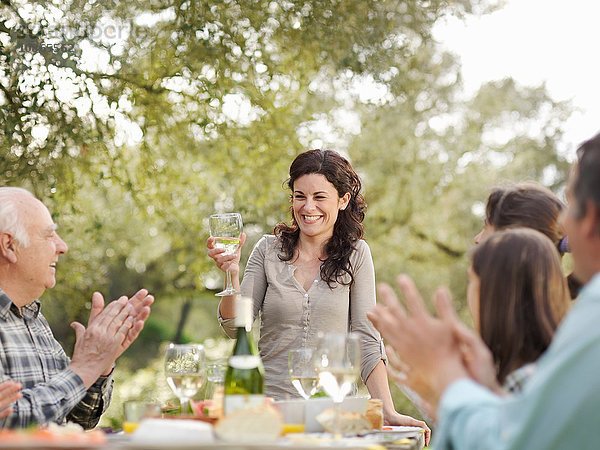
x,y
55,388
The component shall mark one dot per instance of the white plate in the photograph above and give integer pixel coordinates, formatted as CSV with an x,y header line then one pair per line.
x,y
397,429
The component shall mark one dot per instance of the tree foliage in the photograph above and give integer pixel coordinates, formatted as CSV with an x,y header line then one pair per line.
x,y
135,120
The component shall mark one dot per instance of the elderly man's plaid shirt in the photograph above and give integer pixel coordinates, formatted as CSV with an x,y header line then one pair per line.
x,y
51,391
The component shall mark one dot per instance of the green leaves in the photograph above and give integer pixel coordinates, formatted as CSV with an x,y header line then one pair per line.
x,y
165,112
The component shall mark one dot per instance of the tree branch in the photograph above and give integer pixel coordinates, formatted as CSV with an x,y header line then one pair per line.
x,y
444,248
99,76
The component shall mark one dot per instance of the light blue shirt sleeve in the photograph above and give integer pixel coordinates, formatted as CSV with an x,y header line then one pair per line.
x,y
559,407
470,411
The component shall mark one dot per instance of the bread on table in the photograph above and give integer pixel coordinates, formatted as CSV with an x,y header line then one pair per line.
x,y
257,424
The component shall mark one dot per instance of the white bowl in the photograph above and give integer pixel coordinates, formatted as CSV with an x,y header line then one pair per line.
x,y
291,410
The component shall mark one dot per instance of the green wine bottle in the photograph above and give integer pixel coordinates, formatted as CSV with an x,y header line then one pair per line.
x,y
244,379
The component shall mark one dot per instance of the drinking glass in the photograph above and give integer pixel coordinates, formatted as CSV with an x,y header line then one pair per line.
x,y
184,369
226,229
215,374
337,360
303,373
134,411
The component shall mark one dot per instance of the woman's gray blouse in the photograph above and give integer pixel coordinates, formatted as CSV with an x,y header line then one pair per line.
x,y
292,317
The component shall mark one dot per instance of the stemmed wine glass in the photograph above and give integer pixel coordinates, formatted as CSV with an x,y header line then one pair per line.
x,y
226,229
337,360
303,372
184,369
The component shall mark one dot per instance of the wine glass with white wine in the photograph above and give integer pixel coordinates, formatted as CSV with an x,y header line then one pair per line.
x,y
337,361
226,230
184,369
303,373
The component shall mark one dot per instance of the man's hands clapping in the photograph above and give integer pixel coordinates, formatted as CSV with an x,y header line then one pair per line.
x,y
110,331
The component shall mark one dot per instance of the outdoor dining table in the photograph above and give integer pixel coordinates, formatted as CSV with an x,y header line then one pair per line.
x,y
284,443
199,433
308,441
378,440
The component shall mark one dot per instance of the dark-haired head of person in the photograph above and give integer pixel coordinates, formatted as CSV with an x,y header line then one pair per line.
x,y
524,205
528,205
348,227
582,219
517,295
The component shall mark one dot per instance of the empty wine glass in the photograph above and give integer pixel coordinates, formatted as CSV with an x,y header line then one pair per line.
x,y
303,373
226,229
184,370
337,360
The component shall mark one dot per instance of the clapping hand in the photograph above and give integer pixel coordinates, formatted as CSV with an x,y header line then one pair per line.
x,y
411,380
110,331
141,302
10,392
477,358
424,343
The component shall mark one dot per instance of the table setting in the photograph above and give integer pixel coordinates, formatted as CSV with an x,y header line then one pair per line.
x,y
327,414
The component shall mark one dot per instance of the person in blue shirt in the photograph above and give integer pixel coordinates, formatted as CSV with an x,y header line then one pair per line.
x,y
559,407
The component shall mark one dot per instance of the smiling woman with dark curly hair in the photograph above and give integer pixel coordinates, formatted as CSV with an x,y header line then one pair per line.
x,y
314,275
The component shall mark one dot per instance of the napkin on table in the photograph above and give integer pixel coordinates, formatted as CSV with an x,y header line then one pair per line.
x,y
172,431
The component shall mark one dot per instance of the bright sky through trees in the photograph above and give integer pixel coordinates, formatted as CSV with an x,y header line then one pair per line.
x,y
535,41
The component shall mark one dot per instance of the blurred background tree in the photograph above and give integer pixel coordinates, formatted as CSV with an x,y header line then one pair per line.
x,y
136,120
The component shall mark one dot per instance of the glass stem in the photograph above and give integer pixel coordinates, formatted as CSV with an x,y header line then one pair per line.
x,y
210,390
337,407
185,406
228,284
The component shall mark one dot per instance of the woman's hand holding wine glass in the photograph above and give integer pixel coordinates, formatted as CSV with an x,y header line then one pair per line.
x,y
226,238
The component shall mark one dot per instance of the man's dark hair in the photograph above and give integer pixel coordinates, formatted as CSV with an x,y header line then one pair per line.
x,y
587,180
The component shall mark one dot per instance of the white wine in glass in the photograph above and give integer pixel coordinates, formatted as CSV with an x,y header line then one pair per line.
x,y
226,230
184,370
303,374
337,360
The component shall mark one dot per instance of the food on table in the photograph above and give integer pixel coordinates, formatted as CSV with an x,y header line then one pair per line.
x,y
374,413
209,409
130,427
256,424
170,409
350,423
67,434
289,428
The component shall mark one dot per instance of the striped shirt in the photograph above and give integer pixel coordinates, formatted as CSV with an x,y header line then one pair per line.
x,y
52,392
